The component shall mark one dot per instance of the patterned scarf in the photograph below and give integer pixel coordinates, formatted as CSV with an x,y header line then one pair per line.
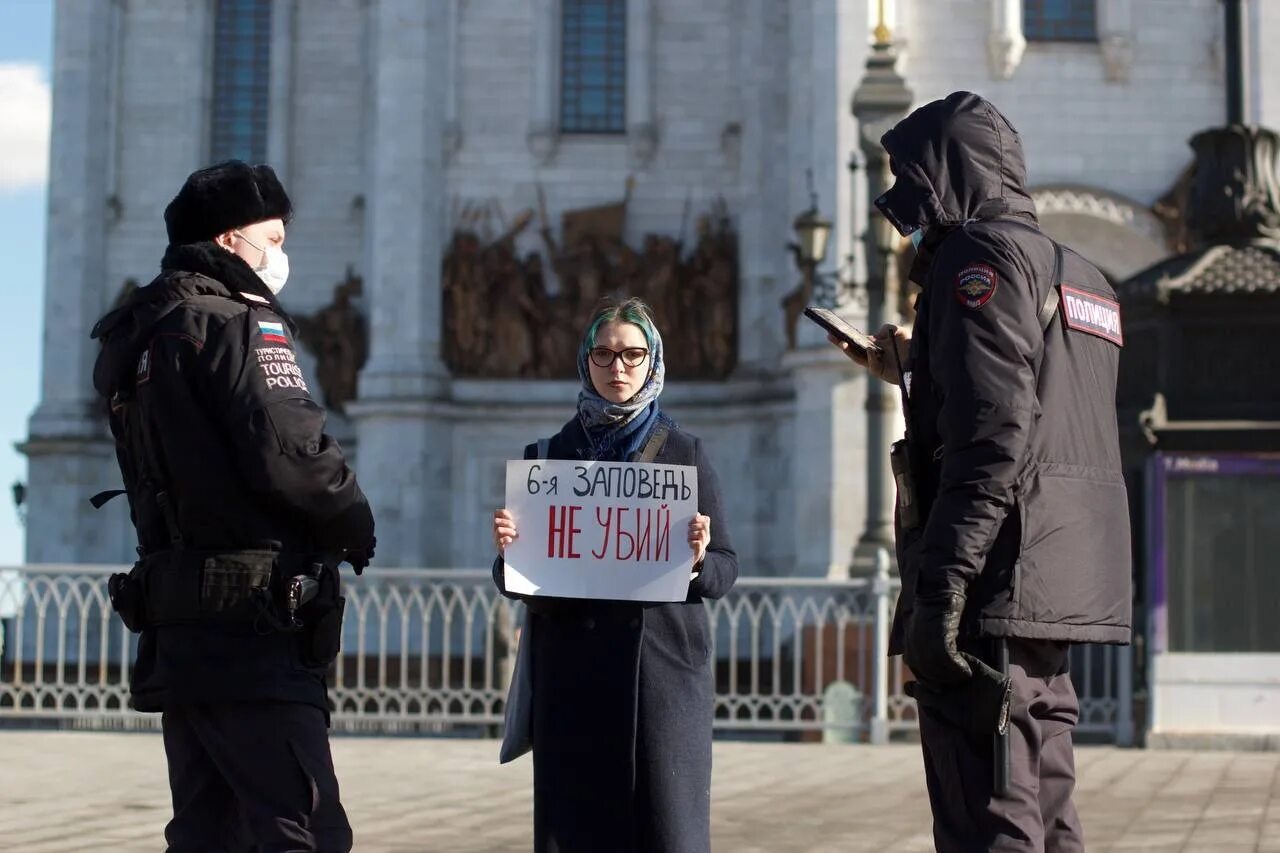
x,y
616,430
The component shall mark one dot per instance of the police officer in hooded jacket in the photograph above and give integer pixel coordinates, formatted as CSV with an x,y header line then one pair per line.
x,y
1013,528
243,509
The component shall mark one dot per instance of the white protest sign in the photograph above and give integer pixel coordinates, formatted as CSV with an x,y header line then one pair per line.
x,y
610,530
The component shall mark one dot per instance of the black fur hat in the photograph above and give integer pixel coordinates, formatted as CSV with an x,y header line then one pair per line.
x,y
223,197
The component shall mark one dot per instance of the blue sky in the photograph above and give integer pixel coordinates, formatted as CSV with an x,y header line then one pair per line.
x,y
26,46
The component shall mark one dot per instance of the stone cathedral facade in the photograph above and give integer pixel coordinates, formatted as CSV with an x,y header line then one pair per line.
x,y
469,176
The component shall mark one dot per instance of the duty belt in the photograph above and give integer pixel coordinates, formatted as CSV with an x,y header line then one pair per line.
x,y
192,586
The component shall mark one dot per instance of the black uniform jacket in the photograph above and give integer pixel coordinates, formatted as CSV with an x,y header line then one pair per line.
x,y
210,356
1014,426
623,696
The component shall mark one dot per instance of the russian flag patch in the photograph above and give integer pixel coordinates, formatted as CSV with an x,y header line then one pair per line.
x,y
273,332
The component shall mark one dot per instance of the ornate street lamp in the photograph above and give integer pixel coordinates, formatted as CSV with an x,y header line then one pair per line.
x,y
812,232
809,249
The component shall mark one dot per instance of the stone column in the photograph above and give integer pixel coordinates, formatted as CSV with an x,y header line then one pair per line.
x,y
827,459
280,114
453,64
543,135
67,447
403,451
1115,37
642,129
1005,41
1264,65
764,227
880,101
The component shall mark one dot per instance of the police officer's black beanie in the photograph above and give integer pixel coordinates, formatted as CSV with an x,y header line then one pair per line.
x,y
224,197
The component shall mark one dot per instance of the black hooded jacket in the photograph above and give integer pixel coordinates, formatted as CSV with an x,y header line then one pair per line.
x,y
207,354
1013,425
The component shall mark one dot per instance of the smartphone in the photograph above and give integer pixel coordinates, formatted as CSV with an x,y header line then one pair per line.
x,y
832,322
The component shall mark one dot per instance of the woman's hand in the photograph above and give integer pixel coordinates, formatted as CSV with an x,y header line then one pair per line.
x,y
699,538
879,363
504,529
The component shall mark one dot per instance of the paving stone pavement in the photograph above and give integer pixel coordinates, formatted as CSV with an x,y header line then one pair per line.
x,y
79,791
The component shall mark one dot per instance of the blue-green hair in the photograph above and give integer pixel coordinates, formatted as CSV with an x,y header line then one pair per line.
x,y
632,310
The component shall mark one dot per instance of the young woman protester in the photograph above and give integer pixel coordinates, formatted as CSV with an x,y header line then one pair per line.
x,y
623,692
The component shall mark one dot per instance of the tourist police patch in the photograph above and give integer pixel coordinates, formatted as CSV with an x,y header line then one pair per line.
x,y
975,285
1092,313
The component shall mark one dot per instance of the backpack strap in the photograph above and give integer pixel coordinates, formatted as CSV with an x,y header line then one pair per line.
x,y
653,446
1050,308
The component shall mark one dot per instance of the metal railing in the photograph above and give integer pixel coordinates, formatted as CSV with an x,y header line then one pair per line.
x,y
432,650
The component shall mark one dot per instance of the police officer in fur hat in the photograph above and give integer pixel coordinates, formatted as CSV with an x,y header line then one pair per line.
x,y
243,508
1013,526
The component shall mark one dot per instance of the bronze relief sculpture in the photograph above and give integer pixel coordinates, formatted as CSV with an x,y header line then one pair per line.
x,y
502,318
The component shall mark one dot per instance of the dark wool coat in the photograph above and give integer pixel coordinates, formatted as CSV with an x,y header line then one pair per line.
x,y
623,698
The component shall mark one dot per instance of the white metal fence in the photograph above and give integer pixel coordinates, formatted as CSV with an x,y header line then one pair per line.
x,y
431,650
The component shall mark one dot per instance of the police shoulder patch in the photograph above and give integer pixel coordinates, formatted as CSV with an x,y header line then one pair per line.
x,y
1092,313
279,367
975,285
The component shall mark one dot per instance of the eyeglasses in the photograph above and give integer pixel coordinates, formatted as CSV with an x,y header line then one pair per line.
x,y
631,356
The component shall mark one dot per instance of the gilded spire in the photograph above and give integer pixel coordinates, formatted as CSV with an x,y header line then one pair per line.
x,y
882,32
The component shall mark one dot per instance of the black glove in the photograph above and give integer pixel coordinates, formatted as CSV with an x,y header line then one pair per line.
x,y
361,557
931,639
979,706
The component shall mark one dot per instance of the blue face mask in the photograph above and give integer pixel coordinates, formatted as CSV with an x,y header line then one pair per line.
x,y
917,236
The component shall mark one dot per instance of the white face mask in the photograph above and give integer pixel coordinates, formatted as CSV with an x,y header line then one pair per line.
x,y
274,268
917,236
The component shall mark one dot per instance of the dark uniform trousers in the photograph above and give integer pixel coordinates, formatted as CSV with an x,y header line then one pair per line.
x,y
252,776
1037,814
